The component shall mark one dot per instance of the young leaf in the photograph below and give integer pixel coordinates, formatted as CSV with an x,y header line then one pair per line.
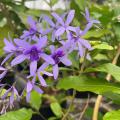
x,y
35,100
56,108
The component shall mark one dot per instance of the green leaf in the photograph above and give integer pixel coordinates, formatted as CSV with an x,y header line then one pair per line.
x,y
113,115
107,68
96,33
87,83
53,2
116,27
22,114
100,57
103,46
56,108
35,100
113,96
81,3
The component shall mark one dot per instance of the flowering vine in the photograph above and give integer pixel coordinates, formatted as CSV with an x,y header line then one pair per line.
x,y
33,44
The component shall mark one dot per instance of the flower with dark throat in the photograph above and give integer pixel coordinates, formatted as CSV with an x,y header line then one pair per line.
x,y
59,56
32,52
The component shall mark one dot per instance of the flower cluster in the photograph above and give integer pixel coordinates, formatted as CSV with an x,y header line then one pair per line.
x,y
33,46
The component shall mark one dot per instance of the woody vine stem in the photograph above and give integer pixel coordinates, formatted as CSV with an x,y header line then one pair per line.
x,y
108,78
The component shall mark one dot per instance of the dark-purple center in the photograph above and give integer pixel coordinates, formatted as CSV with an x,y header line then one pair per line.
x,y
32,31
57,55
33,52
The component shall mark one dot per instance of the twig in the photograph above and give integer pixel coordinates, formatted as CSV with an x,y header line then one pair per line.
x,y
66,114
108,78
85,108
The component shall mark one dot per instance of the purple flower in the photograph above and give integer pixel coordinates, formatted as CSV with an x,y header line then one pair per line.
x,y
78,43
90,22
41,71
32,52
65,26
3,72
29,34
13,95
9,49
33,30
58,55
54,26
31,86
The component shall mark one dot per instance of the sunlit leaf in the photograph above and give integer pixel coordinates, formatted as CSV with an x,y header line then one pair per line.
x,y
113,115
35,100
87,83
22,114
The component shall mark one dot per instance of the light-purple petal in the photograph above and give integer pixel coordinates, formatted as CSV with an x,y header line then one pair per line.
x,y
85,43
33,68
52,48
29,86
47,58
47,19
96,21
58,18
66,61
41,79
43,66
60,31
6,58
21,43
71,28
2,68
88,26
12,98
19,59
87,15
55,71
70,17
2,75
31,22
81,51
47,73
28,97
42,42
40,91
9,47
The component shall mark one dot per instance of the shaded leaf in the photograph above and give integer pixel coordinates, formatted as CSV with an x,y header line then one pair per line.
x,y
107,68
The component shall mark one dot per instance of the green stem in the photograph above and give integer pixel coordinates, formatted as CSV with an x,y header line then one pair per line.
x,y
74,91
